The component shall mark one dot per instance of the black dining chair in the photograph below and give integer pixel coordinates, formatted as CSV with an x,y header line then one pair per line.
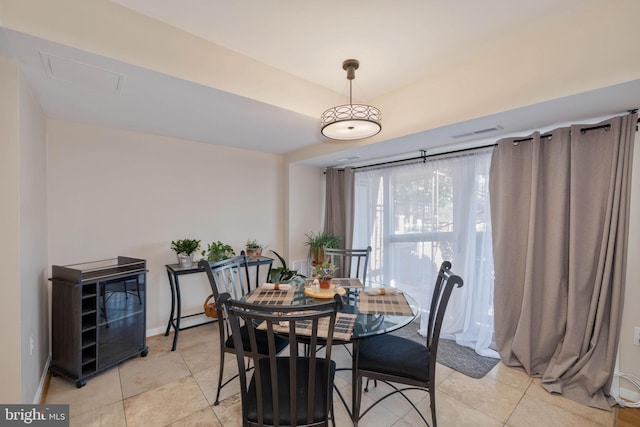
x,y
352,263
261,274
393,359
232,276
296,390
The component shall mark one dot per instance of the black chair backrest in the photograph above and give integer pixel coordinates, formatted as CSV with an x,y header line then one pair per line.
x,y
227,276
350,262
274,377
442,291
261,274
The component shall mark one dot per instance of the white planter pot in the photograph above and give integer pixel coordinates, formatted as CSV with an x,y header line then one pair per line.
x,y
185,261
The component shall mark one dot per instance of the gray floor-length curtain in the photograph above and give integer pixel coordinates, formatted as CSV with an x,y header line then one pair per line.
x,y
338,213
560,214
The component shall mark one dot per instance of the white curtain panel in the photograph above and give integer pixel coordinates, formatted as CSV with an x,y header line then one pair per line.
x,y
415,216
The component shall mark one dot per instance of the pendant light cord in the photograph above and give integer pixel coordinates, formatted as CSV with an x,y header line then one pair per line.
x,y
350,91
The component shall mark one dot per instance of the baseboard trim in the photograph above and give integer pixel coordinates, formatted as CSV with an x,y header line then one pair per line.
x,y
38,399
185,323
630,395
156,331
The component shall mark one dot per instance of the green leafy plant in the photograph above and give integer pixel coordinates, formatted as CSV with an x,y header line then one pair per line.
x,y
185,246
217,251
254,244
317,242
322,240
282,274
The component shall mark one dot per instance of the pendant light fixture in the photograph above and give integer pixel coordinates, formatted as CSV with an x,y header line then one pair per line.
x,y
352,121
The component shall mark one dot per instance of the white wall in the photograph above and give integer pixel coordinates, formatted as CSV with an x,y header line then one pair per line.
x,y
115,192
34,296
10,357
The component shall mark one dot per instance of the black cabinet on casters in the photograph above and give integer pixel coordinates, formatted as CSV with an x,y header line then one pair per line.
x,y
98,316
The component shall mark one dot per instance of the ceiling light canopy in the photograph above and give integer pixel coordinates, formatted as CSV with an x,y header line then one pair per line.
x,y
352,121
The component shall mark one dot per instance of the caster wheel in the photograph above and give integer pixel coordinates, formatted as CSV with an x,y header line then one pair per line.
x,y
81,383
144,352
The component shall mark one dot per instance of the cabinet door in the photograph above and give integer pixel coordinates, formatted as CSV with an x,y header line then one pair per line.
x,y
121,319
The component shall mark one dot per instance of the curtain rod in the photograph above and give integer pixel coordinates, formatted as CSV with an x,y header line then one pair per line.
x,y
548,135
582,130
423,153
424,156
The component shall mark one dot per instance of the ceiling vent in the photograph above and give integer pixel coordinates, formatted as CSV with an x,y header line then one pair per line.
x,y
347,159
85,75
478,132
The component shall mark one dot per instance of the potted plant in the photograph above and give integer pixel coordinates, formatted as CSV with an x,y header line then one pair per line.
x,y
317,242
254,249
184,249
217,251
282,274
324,273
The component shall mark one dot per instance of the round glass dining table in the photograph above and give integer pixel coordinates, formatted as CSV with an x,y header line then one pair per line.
x,y
366,324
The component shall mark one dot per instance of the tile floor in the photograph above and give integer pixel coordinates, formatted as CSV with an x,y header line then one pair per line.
x,y
178,389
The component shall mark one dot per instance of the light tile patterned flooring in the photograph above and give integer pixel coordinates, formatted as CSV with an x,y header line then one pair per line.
x,y
178,389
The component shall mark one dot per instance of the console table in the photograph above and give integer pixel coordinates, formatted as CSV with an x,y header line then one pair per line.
x,y
174,271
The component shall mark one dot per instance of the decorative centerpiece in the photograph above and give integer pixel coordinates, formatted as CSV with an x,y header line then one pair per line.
x,y
184,249
254,249
324,273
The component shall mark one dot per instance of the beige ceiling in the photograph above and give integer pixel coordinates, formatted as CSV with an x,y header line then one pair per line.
x,y
397,42
256,74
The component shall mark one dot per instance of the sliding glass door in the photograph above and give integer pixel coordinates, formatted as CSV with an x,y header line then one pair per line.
x,y
416,216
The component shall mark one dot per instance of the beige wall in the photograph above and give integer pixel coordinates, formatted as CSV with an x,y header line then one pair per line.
x,y
114,192
306,206
10,332
34,296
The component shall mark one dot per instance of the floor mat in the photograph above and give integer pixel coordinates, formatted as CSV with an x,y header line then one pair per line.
x,y
463,359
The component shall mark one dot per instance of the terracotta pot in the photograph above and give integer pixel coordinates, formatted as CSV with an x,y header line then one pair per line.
x,y
317,256
325,284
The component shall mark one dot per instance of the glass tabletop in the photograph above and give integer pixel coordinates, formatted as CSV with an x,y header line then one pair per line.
x,y
366,324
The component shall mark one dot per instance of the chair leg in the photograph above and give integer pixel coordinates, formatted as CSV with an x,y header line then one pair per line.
x,y
333,417
356,409
375,384
432,394
217,402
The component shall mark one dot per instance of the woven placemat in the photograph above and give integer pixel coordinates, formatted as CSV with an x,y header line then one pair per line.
x,y
342,330
384,304
271,296
348,282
